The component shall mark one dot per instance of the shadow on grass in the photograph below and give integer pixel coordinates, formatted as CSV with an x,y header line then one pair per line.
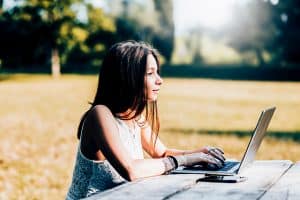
x,y
4,77
280,135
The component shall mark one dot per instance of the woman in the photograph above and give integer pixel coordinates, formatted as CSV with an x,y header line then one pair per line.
x,y
122,122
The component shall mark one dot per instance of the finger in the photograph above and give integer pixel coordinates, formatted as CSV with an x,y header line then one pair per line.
x,y
210,159
219,150
218,163
217,155
215,149
214,154
220,156
207,149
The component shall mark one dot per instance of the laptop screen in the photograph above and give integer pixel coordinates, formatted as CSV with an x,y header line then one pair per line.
x,y
257,137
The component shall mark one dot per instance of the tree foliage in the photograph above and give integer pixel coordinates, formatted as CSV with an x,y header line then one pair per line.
x,y
286,18
47,34
30,32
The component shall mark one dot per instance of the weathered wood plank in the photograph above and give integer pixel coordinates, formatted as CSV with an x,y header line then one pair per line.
x,y
288,186
150,188
261,176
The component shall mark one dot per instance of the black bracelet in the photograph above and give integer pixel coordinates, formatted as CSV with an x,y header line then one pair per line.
x,y
174,160
169,164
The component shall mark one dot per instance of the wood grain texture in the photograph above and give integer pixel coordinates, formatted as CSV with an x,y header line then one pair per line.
x,y
288,186
269,179
150,188
261,176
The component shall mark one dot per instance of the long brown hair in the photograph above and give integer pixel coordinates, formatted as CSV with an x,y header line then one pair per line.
x,y
121,84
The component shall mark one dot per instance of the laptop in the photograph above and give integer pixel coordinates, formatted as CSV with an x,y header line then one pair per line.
x,y
232,168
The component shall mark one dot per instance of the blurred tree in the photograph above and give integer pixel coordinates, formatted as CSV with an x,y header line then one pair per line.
x,y
40,33
39,29
59,19
134,20
193,43
164,40
100,35
150,21
269,30
252,30
21,32
286,18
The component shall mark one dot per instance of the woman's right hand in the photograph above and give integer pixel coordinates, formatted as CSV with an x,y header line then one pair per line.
x,y
198,158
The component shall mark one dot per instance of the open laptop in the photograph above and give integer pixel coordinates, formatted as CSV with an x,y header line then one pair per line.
x,y
231,168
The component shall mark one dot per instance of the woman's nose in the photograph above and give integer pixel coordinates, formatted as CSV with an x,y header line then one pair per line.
x,y
159,80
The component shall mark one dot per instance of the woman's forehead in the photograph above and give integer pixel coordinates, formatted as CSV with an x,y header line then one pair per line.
x,y
151,62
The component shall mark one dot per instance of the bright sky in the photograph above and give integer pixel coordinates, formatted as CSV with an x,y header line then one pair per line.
x,y
7,4
207,13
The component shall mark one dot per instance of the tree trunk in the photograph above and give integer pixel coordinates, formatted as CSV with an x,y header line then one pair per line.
x,y
55,63
260,59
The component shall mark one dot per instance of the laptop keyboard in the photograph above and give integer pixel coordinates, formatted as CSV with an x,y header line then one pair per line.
x,y
228,165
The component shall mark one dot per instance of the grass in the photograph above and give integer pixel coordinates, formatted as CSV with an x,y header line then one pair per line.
x,y
39,117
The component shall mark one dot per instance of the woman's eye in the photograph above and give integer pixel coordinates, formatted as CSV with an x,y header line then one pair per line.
x,y
149,73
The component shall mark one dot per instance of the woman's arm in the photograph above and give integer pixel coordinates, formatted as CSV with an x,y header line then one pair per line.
x,y
161,150
105,133
173,152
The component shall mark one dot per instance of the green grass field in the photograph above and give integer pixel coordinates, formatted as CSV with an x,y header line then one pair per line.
x,y
39,117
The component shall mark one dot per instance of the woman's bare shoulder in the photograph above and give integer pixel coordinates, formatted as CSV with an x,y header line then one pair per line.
x,y
100,112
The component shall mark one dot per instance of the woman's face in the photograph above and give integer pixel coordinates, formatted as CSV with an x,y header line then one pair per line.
x,y
152,78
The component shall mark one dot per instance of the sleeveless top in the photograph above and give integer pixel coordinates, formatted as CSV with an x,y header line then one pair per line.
x,y
90,177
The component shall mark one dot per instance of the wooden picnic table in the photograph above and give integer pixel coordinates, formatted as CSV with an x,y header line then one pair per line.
x,y
266,179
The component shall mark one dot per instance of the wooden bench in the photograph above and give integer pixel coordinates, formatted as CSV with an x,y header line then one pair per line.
x,y
266,179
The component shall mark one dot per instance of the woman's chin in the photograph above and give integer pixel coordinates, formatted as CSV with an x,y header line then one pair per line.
x,y
151,99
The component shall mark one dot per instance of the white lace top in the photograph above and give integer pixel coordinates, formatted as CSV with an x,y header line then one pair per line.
x,y
90,177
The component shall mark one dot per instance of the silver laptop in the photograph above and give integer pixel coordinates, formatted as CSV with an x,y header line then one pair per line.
x,y
235,167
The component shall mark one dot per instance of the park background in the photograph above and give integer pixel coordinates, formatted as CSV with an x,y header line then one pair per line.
x,y
222,63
